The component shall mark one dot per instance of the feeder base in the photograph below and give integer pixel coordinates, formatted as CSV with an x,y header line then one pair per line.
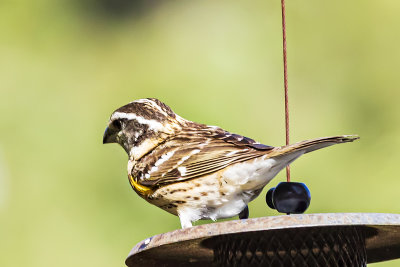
x,y
340,246
332,239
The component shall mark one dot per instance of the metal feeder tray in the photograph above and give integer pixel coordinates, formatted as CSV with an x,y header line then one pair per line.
x,y
331,239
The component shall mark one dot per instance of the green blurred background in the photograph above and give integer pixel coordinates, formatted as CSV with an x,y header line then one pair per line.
x,y
66,65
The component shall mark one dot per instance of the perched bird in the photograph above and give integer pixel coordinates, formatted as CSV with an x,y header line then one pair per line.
x,y
193,170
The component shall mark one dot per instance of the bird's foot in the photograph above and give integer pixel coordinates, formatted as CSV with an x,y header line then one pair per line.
x,y
244,214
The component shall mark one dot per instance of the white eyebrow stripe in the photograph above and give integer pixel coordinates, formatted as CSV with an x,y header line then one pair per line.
x,y
153,124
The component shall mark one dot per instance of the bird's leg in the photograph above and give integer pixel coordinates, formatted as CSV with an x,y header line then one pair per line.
x,y
244,214
185,222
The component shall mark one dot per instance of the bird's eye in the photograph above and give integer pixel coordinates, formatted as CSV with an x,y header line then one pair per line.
x,y
117,124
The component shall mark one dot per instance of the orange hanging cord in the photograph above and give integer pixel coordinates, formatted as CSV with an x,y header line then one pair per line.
x,y
285,82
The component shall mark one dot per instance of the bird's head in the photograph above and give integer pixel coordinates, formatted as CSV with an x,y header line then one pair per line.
x,y
142,125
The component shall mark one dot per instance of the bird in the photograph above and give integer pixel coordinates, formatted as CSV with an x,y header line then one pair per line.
x,y
193,170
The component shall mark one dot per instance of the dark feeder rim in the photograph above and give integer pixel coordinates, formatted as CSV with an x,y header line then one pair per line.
x,y
384,245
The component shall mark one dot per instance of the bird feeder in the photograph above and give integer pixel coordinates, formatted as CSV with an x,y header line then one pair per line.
x,y
353,239
340,239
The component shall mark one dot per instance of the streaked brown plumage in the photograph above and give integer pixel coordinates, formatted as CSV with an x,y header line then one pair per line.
x,y
193,170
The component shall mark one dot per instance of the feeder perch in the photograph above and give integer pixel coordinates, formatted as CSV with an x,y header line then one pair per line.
x,y
340,239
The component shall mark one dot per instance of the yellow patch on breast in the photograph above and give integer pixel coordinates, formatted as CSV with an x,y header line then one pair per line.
x,y
140,189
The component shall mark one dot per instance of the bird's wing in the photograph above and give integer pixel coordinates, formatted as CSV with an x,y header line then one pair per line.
x,y
197,155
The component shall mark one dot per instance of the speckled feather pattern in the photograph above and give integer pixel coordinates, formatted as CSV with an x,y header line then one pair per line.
x,y
197,171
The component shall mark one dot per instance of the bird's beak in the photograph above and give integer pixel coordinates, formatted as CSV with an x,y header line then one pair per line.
x,y
109,136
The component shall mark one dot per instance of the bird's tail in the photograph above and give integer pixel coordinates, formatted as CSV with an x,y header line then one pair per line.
x,y
311,145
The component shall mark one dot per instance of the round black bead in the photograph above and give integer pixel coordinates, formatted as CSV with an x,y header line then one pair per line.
x,y
291,197
268,198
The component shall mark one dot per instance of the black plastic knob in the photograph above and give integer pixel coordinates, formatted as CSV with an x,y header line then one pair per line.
x,y
291,197
268,198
